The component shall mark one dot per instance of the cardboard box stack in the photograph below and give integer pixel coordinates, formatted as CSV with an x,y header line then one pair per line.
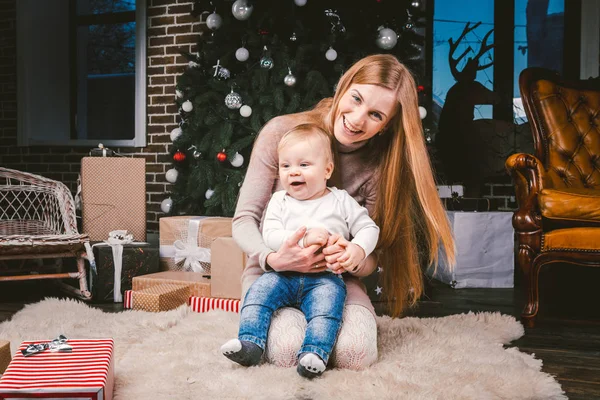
x,y
197,252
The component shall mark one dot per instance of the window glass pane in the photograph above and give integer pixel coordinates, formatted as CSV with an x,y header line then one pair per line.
x,y
539,36
106,81
86,7
450,21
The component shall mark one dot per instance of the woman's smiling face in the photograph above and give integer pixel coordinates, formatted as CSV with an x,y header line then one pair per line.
x,y
363,111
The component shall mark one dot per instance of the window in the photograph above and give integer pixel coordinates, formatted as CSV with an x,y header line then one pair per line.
x,y
82,66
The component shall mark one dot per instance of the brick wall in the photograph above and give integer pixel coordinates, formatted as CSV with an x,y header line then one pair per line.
x,y
170,28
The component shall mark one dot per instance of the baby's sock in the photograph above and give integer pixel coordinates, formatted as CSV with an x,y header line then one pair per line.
x,y
310,365
242,352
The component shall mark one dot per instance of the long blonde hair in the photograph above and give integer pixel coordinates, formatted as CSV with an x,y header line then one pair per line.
x,y
408,210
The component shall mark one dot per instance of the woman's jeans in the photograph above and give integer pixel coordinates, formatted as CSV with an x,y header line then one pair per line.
x,y
320,297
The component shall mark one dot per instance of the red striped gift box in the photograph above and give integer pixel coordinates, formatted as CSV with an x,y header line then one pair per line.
x,y
127,299
204,304
85,373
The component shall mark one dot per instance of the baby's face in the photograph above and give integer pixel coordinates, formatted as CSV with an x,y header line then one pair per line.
x,y
304,169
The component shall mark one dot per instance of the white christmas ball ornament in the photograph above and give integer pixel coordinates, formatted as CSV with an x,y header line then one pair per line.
x,y
386,39
166,205
289,79
208,194
422,112
241,10
300,3
214,21
246,111
238,160
175,133
187,106
242,54
331,54
172,175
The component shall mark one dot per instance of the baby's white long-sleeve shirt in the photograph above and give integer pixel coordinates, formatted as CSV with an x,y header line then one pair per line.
x,y
337,212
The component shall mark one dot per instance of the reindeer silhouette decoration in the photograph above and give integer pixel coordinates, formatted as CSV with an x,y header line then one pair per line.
x,y
459,140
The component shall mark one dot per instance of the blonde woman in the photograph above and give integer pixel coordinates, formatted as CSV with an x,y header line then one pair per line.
x,y
382,162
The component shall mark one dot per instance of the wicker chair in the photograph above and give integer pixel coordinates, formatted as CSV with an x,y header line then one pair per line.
x,y
37,221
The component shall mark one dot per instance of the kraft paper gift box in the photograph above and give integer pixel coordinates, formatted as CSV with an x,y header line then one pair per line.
x,y
113,196
4,355
85,373
163,297
228,262
138,259
485,251
198,284
185,241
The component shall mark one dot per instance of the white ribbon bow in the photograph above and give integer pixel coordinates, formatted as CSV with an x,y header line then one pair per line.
x,y
192,255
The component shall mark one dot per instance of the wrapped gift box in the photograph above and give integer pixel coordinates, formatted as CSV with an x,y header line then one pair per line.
x,y
485,251
228,262
113,196
85,373
446,191
204,304
138,259
163,297
4,355
185,241
198,284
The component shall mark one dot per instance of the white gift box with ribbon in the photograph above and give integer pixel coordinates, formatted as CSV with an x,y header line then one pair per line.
x,y
185,241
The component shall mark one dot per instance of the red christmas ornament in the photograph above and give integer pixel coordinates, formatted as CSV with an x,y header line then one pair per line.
x,y
179,156
420,88
221,156
263,32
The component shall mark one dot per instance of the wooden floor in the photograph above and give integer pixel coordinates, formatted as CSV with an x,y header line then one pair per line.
x,y
567,337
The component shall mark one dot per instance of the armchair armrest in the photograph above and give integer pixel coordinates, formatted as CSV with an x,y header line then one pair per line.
x,y
529,178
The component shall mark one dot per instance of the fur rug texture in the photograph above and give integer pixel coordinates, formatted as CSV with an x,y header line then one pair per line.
x,y
175,355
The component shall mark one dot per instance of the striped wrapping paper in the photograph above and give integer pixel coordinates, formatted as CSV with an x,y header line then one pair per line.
x,y
85,373
127,299
204,304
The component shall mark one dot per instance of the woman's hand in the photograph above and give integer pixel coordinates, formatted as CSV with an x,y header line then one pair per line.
x,y
291,257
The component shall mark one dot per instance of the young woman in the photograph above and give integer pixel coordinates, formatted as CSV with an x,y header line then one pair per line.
x,y
383,163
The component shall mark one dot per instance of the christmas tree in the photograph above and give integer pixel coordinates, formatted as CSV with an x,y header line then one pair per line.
x,y
264,58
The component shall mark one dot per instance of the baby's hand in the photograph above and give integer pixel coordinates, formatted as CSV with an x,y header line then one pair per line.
x,y
316,236
352,256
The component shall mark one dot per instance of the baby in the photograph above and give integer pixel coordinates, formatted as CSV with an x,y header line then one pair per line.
x,y
305,165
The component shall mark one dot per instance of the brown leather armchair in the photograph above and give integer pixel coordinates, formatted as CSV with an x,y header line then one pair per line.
x,y
558,188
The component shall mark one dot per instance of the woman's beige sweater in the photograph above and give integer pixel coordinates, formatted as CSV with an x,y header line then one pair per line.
x,y
356,175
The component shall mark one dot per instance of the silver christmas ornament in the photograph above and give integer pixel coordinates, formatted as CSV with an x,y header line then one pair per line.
x,y
241,10
293,38
246,111
238,160
409,24
193,64
233,100
175,133
178,93
214,21
166,204
171,175
196,154
300,3
187,106
208,194
415,4
289,79
223,73
386,39
242,54
331,54
266,62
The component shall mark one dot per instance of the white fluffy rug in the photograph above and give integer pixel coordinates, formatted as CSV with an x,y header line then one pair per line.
x,y
175,355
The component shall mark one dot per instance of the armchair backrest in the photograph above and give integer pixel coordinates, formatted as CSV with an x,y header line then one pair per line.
x,y
565,123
